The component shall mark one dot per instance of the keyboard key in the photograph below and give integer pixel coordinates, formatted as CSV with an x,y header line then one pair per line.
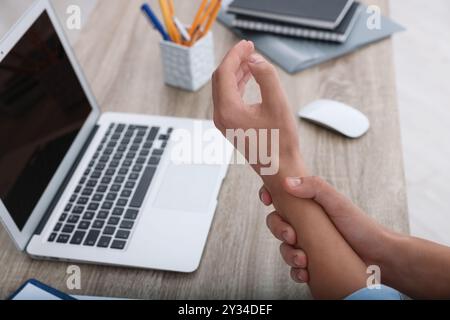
x,y
110,172
126,224
89,215
114,164
96,174
154,161
98,224
91,238
130,184
137,168
111,196
126,163
68,207
104,159
77,189
63,217
134,147
122,234
57,227
83,200
118,155
152,134
143,186
120,128
104,242
157,152
100,167
125,193
122,202
114,221
117,211
164,137
109,230
52,237
106,180
131,155
107,205
144,152
68,228
115,188
131,214
103,214
102,188
140,160
72,199
119,179
134,176
84,225
164,144
63,238
87,191
77,237
138,140
97,197
118,244
93,206
78,209
73,218
92,183
147,145
123,171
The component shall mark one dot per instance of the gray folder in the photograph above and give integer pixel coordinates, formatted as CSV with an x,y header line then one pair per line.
x,y
296,54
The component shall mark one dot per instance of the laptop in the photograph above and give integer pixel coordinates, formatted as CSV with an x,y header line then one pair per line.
x,y
112,188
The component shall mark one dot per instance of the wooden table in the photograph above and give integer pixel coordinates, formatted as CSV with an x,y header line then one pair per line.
x,y
120,56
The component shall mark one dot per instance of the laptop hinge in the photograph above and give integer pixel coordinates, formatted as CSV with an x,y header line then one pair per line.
x,y
66,180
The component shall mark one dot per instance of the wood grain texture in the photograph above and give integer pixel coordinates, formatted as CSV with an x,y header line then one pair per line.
x,y
120,56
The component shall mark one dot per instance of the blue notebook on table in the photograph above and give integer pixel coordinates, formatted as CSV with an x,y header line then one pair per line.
x,y
297,54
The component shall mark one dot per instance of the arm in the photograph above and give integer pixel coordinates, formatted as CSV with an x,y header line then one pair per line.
x,y
414,266
335,269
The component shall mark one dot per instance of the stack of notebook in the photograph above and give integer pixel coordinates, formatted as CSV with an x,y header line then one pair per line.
x,y
327,20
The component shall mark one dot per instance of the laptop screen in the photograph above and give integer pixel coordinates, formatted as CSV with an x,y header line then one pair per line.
x,y
42,109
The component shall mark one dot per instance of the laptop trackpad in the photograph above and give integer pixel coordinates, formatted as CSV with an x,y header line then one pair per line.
x,y
187,187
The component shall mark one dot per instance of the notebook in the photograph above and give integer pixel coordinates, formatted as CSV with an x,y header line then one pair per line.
x,y
326,14
297,54
340,34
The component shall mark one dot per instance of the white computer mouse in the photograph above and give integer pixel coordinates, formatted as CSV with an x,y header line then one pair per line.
x,y
336,116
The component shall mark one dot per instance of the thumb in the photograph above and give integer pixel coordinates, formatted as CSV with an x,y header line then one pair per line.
x,y
266,76
334,203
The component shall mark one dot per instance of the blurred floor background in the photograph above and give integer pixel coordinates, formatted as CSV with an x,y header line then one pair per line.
x,y
422,61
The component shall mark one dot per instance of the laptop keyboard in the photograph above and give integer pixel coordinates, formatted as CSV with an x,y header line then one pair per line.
x,y
106,203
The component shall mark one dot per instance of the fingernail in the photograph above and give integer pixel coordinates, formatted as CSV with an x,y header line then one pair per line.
x,y
255,58
294,182
299,276
285,236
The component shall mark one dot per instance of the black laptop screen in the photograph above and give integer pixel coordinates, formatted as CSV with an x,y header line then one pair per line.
x,y
42,109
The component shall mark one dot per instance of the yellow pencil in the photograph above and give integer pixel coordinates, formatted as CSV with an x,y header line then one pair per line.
x,y
197,18
212,17
171,29
171,8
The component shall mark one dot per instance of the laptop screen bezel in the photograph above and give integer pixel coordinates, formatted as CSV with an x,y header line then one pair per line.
x,y
22,237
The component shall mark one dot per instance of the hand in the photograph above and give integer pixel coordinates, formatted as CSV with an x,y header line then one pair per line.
x,y
365,236
231,112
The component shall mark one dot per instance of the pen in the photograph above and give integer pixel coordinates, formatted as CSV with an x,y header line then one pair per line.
x,y
184,33
154,21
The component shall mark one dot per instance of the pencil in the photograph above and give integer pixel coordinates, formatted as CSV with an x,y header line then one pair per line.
x,y
171,29
212,17
197,17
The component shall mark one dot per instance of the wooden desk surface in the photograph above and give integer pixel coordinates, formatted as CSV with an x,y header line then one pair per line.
x,y
120,56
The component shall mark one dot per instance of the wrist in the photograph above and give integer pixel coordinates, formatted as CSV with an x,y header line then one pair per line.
x,y
290,164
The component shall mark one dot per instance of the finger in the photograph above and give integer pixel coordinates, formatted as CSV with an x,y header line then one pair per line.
x,y
265,196
226,93
320,191
299,275
266,76
295,258
281,229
